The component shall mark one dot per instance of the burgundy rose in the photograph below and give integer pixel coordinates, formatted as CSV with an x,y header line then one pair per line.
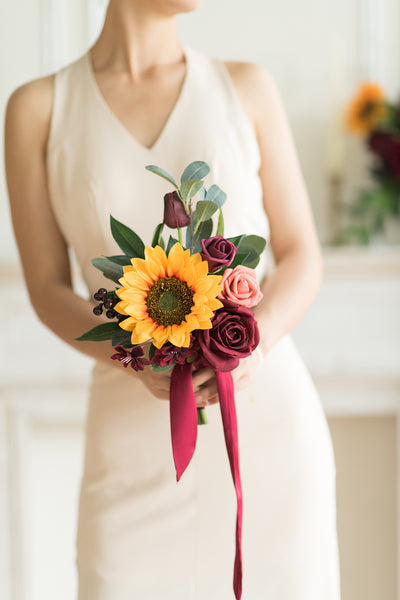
x,y
234,335
218,251
175,215
387,146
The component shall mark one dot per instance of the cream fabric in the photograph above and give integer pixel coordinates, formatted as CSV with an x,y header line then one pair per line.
x,y
141,535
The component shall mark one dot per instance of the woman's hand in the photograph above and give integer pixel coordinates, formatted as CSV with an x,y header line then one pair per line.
x,y
205,383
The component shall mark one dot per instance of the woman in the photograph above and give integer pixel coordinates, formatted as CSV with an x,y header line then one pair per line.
x,y
77,143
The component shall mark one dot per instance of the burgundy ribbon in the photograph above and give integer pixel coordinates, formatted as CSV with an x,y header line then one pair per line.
x,y
183,417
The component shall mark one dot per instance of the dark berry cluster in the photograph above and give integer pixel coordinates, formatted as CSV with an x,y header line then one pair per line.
x,y
107,300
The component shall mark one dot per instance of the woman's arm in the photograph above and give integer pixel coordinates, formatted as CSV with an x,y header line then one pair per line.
x,y
42,248
291,288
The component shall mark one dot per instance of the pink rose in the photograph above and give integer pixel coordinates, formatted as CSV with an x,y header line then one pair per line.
x,y
240,285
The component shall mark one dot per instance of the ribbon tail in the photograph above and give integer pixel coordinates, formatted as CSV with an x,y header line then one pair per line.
x,y
183,417
229,420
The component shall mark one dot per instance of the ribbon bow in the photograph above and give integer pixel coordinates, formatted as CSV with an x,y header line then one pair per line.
x,y
183,417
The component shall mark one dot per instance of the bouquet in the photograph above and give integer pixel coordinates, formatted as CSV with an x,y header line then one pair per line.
x,y
372,117
190,303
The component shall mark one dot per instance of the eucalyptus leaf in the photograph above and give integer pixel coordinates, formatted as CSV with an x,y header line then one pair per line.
x,y
215,194
129,242
102,332
236,240
162,173
110,269
252,259
202,193
220,225
204,211
203,232
252,242
157,235
195,170
238,260
120,259
189,188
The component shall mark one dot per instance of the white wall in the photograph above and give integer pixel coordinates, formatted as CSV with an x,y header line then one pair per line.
x,y
316,50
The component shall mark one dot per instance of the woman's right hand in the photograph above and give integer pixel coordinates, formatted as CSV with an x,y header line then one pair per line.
x,y
158,383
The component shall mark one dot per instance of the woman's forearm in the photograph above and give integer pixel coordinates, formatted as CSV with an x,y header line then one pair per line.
x,y
287,293
69,316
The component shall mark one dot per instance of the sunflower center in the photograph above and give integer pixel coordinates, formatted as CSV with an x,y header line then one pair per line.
x,y
168,301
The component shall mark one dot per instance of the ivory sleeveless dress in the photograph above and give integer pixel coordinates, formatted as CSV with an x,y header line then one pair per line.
x,y
141,534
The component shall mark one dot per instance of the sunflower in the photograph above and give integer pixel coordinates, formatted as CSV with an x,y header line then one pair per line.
x,y
167,297
366,109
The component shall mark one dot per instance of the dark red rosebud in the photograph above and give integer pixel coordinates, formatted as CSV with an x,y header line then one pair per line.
x,y
234,335
175,215
132,357
218,252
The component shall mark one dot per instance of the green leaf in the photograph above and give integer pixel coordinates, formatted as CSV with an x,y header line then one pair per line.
x,y
129,242
236,240
157,235
109,268
162,173
152,351
215,194
238,260
220,226
195,170
252,259
189,188
102,332
158,369
202,193
204,211
204,232
122,338
120,259
252,242
171,242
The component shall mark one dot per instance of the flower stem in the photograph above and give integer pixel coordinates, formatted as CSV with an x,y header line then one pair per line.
x,y
180,236
202,416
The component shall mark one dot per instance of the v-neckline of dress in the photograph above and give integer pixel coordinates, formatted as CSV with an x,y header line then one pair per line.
x,y
113,117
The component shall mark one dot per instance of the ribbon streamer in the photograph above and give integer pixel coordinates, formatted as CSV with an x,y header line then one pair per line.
x,y
183,417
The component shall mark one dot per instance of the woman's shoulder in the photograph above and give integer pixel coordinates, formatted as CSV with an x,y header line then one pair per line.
x,y
255,86
29,106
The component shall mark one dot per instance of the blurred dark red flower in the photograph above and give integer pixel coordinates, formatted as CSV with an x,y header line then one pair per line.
x,y
175,215
387,147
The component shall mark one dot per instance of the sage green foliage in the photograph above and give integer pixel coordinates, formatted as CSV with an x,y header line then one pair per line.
x,y
162,173
195,170
110,269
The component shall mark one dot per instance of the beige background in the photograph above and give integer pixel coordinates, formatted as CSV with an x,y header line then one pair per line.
x,y
365,453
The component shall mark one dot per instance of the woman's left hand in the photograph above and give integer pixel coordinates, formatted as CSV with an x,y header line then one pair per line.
x,y
205,384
